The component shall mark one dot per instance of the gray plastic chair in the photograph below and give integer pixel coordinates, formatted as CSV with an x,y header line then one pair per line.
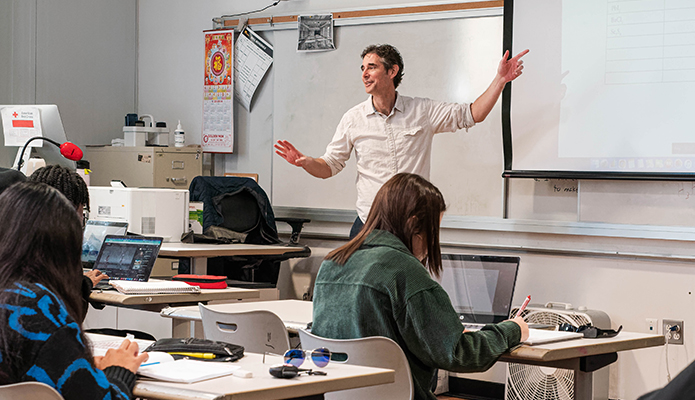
x,y
258,331
29,390
375,351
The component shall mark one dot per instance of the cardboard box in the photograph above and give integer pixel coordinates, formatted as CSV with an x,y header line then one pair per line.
x,y
195,216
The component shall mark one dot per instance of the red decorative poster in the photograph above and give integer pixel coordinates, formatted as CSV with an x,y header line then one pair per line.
x,y
218,90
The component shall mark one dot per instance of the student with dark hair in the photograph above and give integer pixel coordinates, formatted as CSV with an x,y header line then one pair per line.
x,y
40,303
378,285
67,181
73,187
10,176
390,132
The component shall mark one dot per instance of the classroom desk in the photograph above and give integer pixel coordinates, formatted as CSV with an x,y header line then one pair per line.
x,y
264,386
200,252
583,356
156,302
296,314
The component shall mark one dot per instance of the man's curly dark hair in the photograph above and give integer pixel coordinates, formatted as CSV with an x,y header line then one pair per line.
x,y
389,56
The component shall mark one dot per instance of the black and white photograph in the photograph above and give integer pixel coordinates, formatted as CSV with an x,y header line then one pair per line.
x,y
315,33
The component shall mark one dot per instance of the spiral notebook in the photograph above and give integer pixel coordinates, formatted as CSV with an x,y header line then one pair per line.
x,y
154,287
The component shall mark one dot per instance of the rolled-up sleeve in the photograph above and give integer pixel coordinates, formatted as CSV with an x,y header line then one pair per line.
x,y
450,117
339,149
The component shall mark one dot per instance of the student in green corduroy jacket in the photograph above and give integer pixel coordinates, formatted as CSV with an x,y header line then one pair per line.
x,y
378,284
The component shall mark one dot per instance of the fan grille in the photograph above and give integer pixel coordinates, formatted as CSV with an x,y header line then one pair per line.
x,y
530,382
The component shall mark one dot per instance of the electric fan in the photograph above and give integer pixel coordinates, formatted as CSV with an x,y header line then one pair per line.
x,y
530,382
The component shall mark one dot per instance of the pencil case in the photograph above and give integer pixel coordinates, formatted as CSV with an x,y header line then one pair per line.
x,y
204,281
221,350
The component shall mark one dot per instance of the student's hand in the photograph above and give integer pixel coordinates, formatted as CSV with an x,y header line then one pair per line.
x,y
524,328
510,69
286,150
125,356
95,276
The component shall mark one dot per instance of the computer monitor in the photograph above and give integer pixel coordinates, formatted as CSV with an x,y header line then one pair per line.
x,y
51,127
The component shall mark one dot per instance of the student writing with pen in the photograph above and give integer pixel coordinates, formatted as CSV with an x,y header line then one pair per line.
x,y
379,284
41,337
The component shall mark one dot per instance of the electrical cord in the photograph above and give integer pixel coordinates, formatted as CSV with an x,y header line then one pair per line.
x,y
666,336
251,12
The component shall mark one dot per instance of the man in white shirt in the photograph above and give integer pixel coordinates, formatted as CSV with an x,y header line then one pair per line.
x,y
392,133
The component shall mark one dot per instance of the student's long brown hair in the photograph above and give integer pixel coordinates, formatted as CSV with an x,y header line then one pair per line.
x,y
406,205
40,242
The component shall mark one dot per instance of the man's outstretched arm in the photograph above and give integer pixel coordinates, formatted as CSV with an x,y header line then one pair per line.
x,y
314,166
507,71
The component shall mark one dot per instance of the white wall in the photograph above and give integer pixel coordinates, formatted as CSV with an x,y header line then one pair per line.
x,y
170,73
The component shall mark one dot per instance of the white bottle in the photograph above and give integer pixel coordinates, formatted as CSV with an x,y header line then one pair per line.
x,y
179,136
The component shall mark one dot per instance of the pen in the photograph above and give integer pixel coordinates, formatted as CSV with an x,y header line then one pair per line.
x,y
196,355
523,306
152,363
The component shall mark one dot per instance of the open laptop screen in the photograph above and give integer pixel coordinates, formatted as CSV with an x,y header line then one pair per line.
x,y
480,287
95,231
128,258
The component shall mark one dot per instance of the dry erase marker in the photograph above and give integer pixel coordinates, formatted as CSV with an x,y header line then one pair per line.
x,y
196,355
523,306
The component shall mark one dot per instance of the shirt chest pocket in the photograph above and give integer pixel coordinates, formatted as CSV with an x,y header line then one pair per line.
x,y
411,138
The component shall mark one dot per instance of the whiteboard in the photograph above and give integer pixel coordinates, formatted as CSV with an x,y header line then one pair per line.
x,y
447,60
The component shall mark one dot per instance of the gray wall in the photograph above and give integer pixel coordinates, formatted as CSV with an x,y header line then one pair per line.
x,y
80,55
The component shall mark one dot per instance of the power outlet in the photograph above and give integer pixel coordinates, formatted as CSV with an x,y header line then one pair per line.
x,y
674,336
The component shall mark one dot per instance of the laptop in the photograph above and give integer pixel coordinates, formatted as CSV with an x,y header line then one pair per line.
x,y
480,288
127,258
95,232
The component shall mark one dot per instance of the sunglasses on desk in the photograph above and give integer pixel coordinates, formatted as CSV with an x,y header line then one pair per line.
x,y
590,331
296,357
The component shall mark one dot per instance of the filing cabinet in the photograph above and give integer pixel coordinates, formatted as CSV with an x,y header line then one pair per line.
x,y
159,167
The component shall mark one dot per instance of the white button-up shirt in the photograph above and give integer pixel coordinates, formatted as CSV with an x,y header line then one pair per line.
x,y
387,145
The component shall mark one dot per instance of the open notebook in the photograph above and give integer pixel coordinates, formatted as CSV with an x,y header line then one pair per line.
x,y
154,287
543,336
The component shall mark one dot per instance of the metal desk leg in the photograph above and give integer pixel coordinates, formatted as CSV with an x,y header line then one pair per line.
x,y
584,376
199,265
180,328
583,385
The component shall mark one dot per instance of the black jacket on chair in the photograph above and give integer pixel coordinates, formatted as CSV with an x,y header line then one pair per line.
x,y
226,204
240,205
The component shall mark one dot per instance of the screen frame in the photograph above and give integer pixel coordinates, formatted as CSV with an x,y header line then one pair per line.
x,y
487,259
508,151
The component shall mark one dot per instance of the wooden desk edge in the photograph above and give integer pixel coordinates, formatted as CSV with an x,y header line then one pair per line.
x,y
116,298
160,390
532,353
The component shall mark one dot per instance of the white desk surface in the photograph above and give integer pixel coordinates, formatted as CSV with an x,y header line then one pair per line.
x,y
113,297
264,386
218,250
294,313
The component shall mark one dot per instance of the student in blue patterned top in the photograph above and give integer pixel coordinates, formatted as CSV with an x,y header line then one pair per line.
x,y
40,301
378,285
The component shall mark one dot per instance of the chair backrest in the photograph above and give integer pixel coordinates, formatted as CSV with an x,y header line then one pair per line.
x,y
240,212
258,331
375,351
29,390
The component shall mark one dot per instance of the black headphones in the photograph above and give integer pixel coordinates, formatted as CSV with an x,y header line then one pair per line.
x,y
288,371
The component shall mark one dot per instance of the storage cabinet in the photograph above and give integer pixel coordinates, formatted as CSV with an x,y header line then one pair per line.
x,y
159,167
